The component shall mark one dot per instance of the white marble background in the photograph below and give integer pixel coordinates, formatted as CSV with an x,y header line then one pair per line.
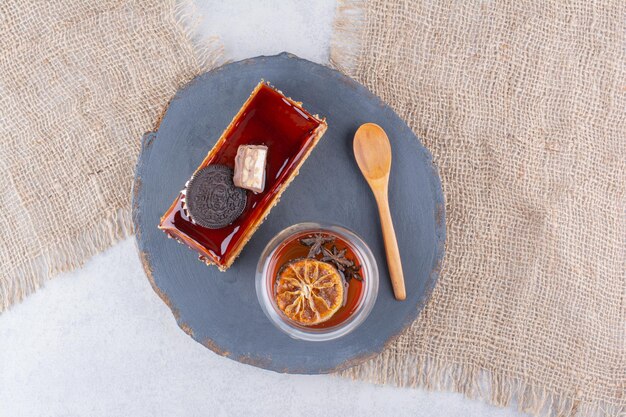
x,y
99,342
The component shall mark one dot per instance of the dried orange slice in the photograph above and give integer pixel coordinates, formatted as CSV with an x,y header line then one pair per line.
x,y
309,291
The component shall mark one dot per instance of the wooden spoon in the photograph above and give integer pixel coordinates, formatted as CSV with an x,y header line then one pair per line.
x,y
373,155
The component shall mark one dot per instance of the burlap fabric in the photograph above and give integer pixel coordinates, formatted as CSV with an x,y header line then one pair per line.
x,y
80,82
523,105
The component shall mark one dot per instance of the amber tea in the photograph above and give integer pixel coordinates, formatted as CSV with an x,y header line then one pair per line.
x,y
322,279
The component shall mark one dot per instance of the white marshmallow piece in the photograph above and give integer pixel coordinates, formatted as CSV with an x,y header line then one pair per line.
x,y
250,167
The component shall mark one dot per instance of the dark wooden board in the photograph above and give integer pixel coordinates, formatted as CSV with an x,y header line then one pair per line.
x,y
220,309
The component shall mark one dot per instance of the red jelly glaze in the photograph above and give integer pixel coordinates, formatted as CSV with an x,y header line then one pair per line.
x,y
268,119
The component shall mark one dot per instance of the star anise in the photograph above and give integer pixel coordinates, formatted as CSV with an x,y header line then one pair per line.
x,y
316,243
353,272
337,257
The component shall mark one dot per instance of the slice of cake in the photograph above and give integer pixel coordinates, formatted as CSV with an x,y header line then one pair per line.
x,y
212,214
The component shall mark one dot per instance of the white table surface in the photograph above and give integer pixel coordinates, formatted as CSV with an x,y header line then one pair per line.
x,y
99,342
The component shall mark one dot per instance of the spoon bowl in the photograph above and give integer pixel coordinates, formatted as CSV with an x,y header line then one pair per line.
x,y
372,151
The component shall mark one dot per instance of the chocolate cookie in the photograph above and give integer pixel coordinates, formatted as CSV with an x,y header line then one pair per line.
x,y
212,199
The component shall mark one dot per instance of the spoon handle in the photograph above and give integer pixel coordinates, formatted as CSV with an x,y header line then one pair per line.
x,y
391,246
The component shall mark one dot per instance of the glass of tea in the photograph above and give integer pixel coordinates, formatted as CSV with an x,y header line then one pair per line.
x,y
317,282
